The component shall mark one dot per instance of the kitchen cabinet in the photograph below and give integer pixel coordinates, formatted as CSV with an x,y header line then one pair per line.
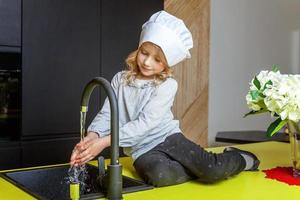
x,y
10,154
10,24
61,53
67,44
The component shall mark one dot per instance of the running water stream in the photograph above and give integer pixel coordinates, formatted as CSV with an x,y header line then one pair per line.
x,y
82,125
78,174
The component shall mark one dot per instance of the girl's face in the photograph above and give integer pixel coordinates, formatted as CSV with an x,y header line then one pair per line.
x,y
150,61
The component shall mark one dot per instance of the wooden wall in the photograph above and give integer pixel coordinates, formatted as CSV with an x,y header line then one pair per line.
x,y
191,103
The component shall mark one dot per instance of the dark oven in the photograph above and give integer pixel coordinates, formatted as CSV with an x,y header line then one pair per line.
x,y
10,94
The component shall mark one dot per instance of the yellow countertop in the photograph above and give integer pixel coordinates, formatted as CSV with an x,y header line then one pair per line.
x,y
245,186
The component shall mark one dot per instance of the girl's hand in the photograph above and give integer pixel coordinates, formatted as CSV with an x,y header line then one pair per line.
x,y
78,147
89,148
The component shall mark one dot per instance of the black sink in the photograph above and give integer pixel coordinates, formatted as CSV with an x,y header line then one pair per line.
x,y
51,183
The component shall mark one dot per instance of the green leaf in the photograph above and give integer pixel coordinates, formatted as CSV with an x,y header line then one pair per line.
x,y
275,68
256,83
254,94
275,126
253,112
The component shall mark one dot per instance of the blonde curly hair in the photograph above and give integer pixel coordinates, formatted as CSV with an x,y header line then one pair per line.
x,y
133,70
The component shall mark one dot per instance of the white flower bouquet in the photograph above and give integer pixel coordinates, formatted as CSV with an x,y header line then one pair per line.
x,y
279,94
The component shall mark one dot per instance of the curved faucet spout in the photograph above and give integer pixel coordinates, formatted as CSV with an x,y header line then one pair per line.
x,y
114,112
114,169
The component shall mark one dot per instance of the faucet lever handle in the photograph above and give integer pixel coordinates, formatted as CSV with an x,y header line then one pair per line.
x,y
101,166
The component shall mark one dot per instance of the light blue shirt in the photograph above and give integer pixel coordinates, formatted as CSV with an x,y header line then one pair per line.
x,y
145,116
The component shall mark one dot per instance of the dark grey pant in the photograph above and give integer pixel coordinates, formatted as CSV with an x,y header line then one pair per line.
x,y
178,160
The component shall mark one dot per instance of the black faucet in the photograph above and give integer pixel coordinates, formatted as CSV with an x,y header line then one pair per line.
x,y
114,189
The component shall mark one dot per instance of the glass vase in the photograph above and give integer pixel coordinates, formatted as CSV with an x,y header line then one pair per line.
x,y
294,136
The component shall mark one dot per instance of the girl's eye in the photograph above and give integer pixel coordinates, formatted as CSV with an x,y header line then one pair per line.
x,y
144,52
157,60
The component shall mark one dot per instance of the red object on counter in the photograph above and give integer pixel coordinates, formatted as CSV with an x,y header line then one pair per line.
x,y
282,174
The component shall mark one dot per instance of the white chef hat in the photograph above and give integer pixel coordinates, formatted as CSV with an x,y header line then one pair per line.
x,y
170,34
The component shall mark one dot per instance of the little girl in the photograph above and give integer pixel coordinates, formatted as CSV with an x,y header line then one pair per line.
x,y
148,132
